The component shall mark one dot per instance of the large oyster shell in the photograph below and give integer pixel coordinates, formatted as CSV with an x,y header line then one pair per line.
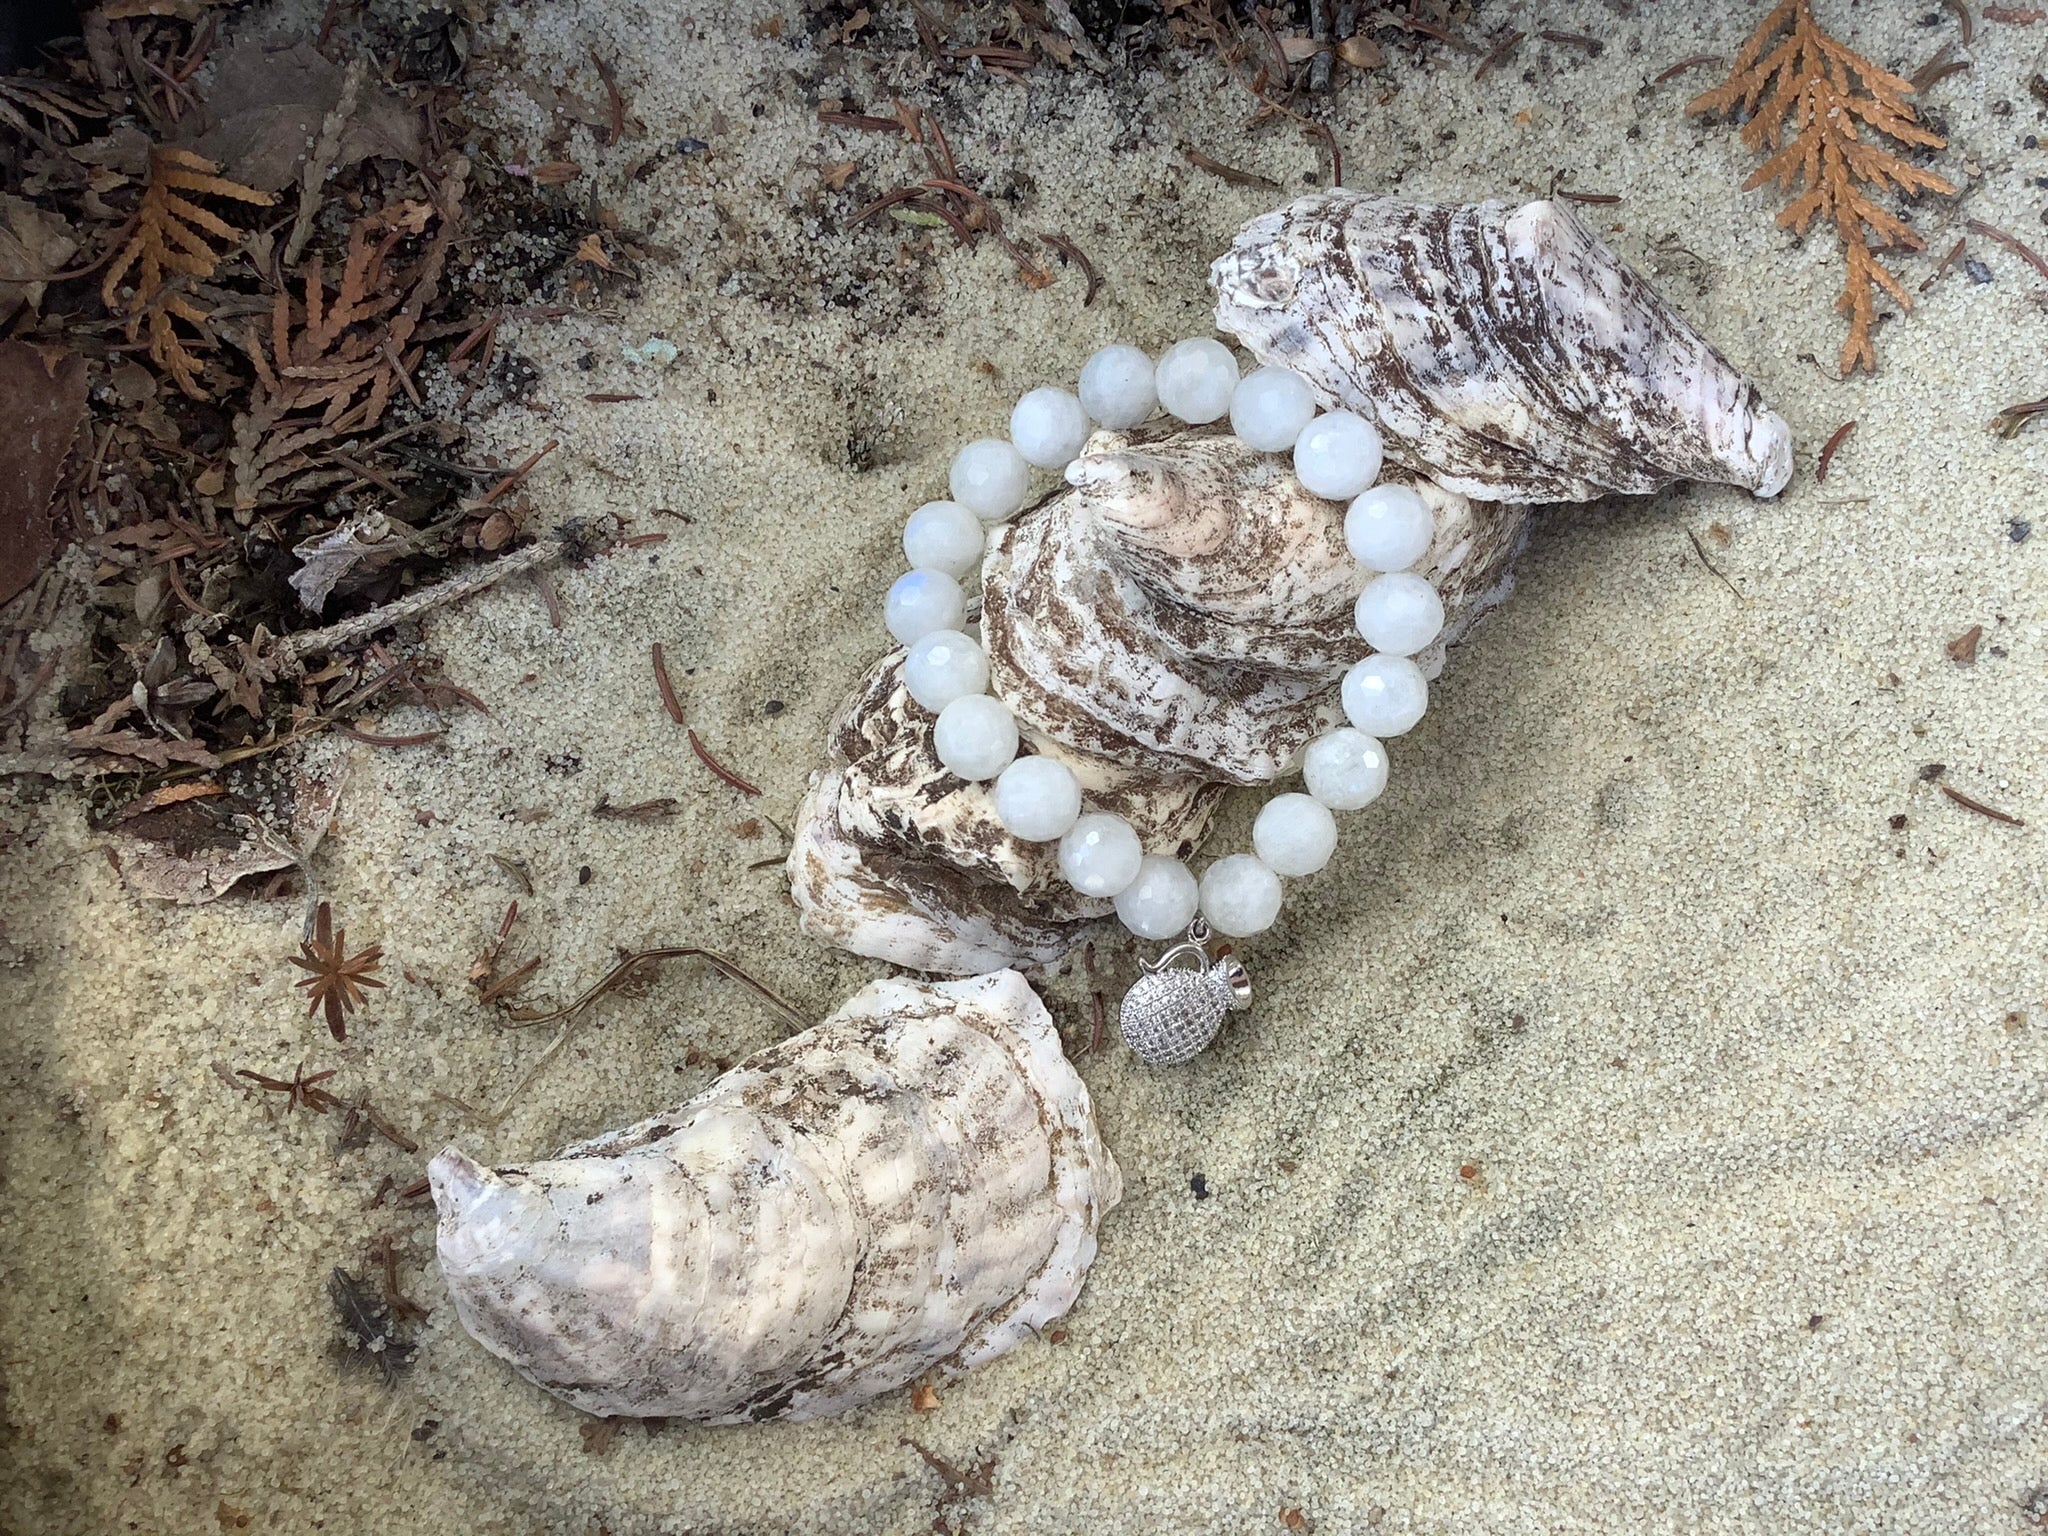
x,y
914,1183
1172,622
1505,352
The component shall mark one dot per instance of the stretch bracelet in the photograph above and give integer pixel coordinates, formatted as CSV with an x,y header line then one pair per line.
x,y
1335,455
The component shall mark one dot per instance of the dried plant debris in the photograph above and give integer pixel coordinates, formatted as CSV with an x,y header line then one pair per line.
x,y
338,978
175,238
192,841
237,253
42,402
371,1335
1805,98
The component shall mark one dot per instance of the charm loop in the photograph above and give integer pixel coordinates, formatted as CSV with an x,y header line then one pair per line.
x,y
1171,1012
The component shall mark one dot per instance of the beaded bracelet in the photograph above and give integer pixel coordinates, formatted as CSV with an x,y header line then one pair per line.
x,y
1171,1014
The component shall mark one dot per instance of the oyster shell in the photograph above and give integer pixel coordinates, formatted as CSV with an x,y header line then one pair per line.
x,y
914,1183
1186,608
1173,621
1505,352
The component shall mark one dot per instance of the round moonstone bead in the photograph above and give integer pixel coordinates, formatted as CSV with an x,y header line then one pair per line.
x,y
976,737
1196,379
1048,426
1336,457
1344,769
990,478
1161,901
943,666
1385,695
1389,528
1037,799
922,601
1101,855
1399,613
1294,835
1117,387
1240,896
943,536
1270,408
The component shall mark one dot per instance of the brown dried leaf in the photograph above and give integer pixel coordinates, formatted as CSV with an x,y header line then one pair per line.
x,y
1804,83
42,408
924,1397
837,174
266,106
1963,649
33,244
554,173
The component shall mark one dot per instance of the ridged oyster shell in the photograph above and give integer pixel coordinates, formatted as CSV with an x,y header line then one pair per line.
x,y
915,1183
1186,607
1505,352
1173,621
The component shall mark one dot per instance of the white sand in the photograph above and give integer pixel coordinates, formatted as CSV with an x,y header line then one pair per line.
x,y
1750,1085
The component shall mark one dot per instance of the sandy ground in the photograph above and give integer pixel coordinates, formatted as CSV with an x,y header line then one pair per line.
x,y
1641,1125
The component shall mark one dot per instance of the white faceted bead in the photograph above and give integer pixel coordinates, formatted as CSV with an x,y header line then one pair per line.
x,y
976,737
1294,835
1344,769
1337,455
1399,613
943,666
990,479
1048,426
1385,695
1196,379
1101,855
1270,408
1389,528
1240,896
922,601
943,536
1161,901
1037,799
1117,388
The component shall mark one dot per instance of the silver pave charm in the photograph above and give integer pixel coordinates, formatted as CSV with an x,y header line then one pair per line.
x,y
1171,1013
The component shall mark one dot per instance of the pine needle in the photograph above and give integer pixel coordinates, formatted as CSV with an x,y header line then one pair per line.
x,y
174,238
1805,98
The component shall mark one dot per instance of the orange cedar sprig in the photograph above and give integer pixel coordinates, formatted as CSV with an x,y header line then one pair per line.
x,y
171,240
1792,75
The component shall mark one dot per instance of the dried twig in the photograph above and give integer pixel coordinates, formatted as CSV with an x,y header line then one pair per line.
x,y
704,756
1980,807
292,649
567,1015
662,685
1828,450
1229,173
2010,242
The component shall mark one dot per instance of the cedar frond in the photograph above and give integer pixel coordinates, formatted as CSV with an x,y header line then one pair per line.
x,y
171,241
330,363
1804,98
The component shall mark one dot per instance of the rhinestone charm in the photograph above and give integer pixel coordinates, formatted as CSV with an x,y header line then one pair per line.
x,y
1170,1014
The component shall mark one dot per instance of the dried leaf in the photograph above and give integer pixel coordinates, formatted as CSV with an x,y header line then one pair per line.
x,y
1806,81
836,175
1963,649
33,244
266,106
924,1397
592,250
365,540
42,408
555,172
